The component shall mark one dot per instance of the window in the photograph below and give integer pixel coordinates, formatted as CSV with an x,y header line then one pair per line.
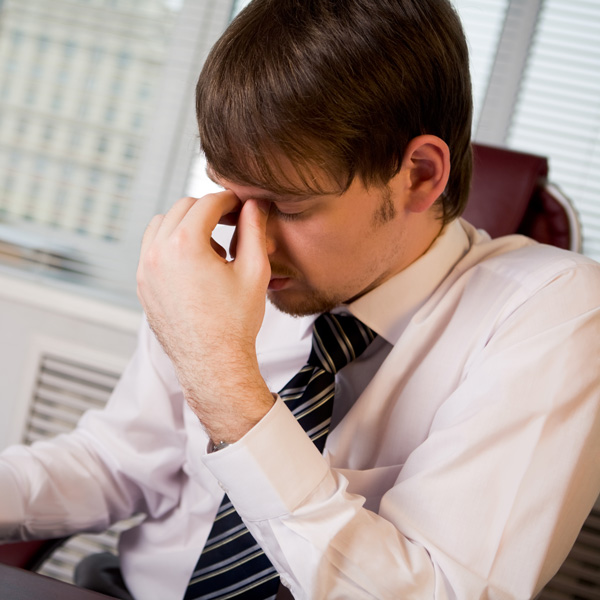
x,y
541,92
110,114
557,110
43,43
48,133
124,59
56,102
119,85
482,22
96,53
17,37
70,48
102,146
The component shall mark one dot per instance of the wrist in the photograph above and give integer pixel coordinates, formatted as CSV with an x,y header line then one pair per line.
x,y
234,420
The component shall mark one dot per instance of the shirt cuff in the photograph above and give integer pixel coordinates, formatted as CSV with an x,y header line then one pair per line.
x,y
272,469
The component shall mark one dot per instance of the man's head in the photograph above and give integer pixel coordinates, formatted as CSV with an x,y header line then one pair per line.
x,y
336,86
344,115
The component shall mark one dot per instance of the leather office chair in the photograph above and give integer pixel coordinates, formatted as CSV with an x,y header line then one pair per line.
x,y
28,555
510,193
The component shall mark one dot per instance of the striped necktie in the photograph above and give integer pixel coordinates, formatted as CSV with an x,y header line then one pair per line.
x,y
232,564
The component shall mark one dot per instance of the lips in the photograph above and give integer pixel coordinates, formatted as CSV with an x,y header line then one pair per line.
x,y
278,283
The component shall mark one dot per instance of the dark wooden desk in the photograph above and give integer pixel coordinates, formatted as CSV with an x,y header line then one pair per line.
x,y
17,584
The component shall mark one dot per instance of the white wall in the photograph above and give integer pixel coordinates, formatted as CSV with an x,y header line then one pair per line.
x,y
35,318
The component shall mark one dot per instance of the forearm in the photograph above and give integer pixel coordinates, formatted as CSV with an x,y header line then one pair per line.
x,y
233,405
123,459
58,488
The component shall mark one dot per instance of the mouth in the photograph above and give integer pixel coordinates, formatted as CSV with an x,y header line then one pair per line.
x,y
278,283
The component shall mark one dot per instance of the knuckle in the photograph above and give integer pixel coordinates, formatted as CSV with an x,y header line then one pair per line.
x,y
179,240
152,261
141,284
185,201
156,220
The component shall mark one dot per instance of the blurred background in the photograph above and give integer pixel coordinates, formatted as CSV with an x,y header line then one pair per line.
x,y
97,134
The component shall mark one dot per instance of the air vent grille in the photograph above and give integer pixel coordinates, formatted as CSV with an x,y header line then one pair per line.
x,y
64,390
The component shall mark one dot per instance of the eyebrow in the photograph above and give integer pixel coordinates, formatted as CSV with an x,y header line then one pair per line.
x,y
269,196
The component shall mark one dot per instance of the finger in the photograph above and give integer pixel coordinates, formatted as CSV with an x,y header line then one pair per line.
x,y
232,217
174,216
252,240
204,215
150,233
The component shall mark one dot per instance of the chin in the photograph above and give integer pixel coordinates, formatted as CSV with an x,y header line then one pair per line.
x,y
302,304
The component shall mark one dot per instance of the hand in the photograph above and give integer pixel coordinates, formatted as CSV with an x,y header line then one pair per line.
x,y
206,312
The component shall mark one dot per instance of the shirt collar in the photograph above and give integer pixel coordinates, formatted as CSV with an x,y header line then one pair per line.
x,y
389,307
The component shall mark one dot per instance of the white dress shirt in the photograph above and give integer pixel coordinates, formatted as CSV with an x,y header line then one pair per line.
x,y
465,454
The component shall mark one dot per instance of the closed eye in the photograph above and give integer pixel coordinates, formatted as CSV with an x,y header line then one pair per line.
x,y
293,215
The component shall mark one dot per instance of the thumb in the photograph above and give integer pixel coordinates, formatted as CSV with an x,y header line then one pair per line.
x,y
251,255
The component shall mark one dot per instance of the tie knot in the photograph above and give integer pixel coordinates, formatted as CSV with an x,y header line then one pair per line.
x,y
338,340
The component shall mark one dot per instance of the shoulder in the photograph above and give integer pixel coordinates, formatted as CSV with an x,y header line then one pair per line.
x,y
519,263
516,283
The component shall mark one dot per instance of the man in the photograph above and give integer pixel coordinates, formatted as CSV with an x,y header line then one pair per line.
x,y
460,455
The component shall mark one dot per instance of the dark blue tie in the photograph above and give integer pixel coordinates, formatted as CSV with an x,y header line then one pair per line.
x,y
232,564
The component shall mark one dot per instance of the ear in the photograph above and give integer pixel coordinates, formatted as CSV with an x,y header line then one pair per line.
x,y
426,162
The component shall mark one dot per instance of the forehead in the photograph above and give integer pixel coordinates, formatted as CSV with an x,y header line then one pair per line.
x,y
292,186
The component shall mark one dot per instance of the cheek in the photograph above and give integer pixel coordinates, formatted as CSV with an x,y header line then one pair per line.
x,y
304,242
329,257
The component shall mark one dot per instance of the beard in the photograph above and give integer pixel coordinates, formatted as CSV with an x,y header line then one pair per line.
x,y
301,300
299,304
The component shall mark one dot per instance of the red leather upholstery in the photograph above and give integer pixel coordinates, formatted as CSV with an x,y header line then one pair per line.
x,y
27,555
545,220
509,195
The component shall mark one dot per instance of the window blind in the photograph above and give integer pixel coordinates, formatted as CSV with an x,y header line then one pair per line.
x,y
78,86
96,131
482,22
557,112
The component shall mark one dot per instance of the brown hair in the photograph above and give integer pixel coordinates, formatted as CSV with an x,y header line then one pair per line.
x,y
336,87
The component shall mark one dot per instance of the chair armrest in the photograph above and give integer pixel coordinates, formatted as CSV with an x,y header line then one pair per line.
x,y
28,555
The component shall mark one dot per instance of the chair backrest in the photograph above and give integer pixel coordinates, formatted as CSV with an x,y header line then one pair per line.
x,y
510,193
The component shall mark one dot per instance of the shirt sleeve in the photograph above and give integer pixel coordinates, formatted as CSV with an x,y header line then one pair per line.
x,y
119,461
487,505
318,536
